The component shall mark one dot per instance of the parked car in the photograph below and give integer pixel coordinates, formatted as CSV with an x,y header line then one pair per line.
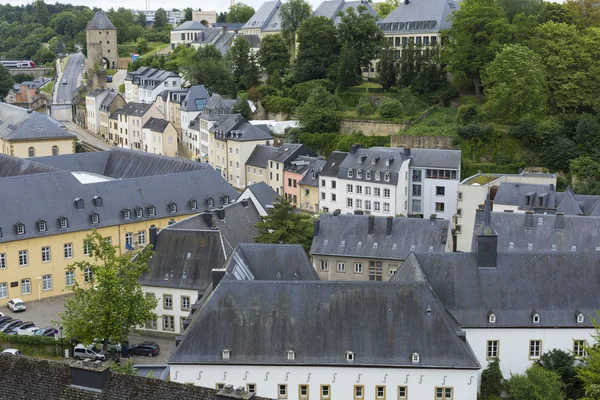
x,y
9,325
109,78
112,347
21,325
5,319
82,352
64,81
14,352
47,331
16,305
149,349
29,331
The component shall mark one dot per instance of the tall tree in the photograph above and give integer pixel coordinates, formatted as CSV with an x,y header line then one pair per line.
x,y
205,66
563,364
359,31
188,14
320,113
239,13
244,63
243,108
586,13
384,8
318,49
141,19
273,54
6,82
516,84
222,17
284,225
112,305
41,14
160,19
348,73
388,72
536,384
292,14
479,29
589,372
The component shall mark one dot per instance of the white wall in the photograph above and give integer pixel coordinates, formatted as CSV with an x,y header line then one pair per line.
x,y
340,379
177,312
148,96
449,198
472,197
514,344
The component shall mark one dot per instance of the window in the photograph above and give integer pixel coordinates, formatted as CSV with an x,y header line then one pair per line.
x,y
375,270
492,349
386,193
282,392
579,348
443,393
358,204
46,254
3,290
126,214
368,174
341,267
20,229
151,210
168,301
151,324
333,197
64,223
402,392
416,190
368,205
359,392
580,317
168,323
386,208
359,173
139,213
323,182
458,228
303,389
333,184
349,203
535,348
440,190
367,190
291,355
47,282
251,388
350,173
95,219
42,226
54,150
325,392
377,175
86,249
142,237
324,265
358,268
88,275
129,238
2,260
380,392
31,152
226,354
377,192
25,286
23,258
386,177
323,196
172,207
376,206
69,278
349,188
439,207
185,303
536,318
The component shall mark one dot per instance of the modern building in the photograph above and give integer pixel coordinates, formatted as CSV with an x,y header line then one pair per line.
x,y
309,188
361,248
472,193
101,42
26,133
145,84
233,140
391,181
93,100
186,33
131,118
174,16
159,137
193,104
111,103
48,206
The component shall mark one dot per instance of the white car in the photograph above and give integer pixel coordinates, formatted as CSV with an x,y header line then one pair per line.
x,y
82,352
16,305
14,352
27,331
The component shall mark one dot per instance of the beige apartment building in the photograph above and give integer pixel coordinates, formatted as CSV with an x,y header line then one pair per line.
x,y
308,192
111,103
160,137
130,120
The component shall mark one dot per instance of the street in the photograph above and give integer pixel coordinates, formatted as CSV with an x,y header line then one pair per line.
x,y
74,67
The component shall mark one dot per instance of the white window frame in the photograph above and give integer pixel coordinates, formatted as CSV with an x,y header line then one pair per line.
x,y
25,283
341,266
69,278
68,250
46,282
23,258
46,254
142,237
358,269
3,290
2,260
492,350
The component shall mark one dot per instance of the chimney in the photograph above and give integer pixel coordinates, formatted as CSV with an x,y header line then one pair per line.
x,y
316,225
432,218
354,148
538,210
528,219
406,149
551,187
208,218
217,276
220,212
486,239
91,378
153,236
550,211
444,234
359,212
245,203
337,212
171,221
371,224
390,224
559,221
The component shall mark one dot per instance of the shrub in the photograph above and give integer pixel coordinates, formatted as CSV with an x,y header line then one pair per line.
x,y
527,132
491,381
349,99
365,107
266,90
325,143
254,94
278,104
391,109
473,131
30,340
468,114
302,91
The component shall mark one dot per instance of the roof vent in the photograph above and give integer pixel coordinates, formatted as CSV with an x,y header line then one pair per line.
x,y
429,311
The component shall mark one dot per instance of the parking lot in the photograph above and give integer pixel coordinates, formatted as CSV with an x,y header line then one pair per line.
x,y
47,313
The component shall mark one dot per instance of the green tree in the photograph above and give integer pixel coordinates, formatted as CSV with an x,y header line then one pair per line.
x,y
388,73
492,381
113,304
239,13
292,14
44,56
141,46
515,84
586,13
6,82
536,384
589,372
320,112
41,14
563,364
18,78
318,49
160,19
245,69
358,30
479,29
348,68
222,17
384,8
141,19
284,225
273,54
243,108
188,16
205,66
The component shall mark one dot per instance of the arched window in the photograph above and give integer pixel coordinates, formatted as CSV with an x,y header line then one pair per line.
x,y
54,150
31,152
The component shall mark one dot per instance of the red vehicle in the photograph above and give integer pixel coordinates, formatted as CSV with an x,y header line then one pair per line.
x,y
18,64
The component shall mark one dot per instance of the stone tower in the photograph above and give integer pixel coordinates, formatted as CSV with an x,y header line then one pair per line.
x,y
101,37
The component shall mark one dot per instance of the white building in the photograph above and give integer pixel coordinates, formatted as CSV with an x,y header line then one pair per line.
x,y
174,16
186,33
193,104
145,84
92,106
391,181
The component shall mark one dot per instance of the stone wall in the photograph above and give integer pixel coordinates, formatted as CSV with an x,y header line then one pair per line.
x,y
371,128
422,142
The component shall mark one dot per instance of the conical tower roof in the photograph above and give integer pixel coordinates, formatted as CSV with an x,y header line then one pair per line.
x,y
101,22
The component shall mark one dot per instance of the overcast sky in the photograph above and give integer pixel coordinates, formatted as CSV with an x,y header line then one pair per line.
x,y
218,5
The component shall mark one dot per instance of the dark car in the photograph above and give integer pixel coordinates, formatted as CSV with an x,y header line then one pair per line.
x,y
149,349
21,325
47,331
8,326
5,319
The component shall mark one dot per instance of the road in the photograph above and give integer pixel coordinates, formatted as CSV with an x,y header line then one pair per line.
x,y
74,67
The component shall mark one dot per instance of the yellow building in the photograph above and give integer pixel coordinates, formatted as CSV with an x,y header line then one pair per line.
x,y
50,204
160,137
111,103
25,133
308,196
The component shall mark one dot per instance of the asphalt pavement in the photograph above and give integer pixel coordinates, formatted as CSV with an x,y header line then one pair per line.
x,y
74,67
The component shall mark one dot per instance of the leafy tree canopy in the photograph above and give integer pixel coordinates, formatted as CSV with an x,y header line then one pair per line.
x,y
239,13
6,82
285,226
318,49
160,19
274,54
320,112
536,384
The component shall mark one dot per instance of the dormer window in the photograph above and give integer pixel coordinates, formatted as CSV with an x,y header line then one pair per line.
x,y
63,222
368,174
225,200
349,356
374,245
210,202
126,213
291,355
78,203
359,173
151,210
193,205
359,244
373,161
139,212
350,173
579,316
387,162
97,201
377,175
42,227
313,175
386,177
94,219
172,207
20,229
342,243
416,358
491,317
535,317
226,354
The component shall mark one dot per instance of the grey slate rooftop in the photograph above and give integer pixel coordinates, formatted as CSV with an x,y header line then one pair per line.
x,y
190,26
156,124
260,156
311,177
426,16
17,123
263,15
133,109
264,194
348,236
101,22
331,8
383,324
333,163
197,97
237,128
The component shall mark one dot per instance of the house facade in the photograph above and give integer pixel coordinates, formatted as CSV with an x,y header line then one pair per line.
x,y
193,104
111,103
131,118
145,84
186,33
92,106
309,187
160,137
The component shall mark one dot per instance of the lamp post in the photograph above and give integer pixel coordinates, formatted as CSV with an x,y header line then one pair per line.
x,y
39,280
62,348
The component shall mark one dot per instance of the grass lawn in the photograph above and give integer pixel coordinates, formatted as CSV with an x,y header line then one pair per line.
x,y
111,72
47,88
154,47
367,84
441,122
126,49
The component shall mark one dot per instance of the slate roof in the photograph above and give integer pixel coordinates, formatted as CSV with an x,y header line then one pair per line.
x,y
208,35
554,285
262,15
17,123
107,101
134,109
190,26
237,128
382,323
269,262
14,166
95,92
34,84
288,152
260,156
265,195
382,159
156,124
331,9
197,97
432,158
333,163
149,78
215,105
101,22
254,40
316,167
514,194
26,199
36,378
427,16
348,236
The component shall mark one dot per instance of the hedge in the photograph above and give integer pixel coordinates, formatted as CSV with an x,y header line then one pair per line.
x,y
350,99
25,339
325,143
